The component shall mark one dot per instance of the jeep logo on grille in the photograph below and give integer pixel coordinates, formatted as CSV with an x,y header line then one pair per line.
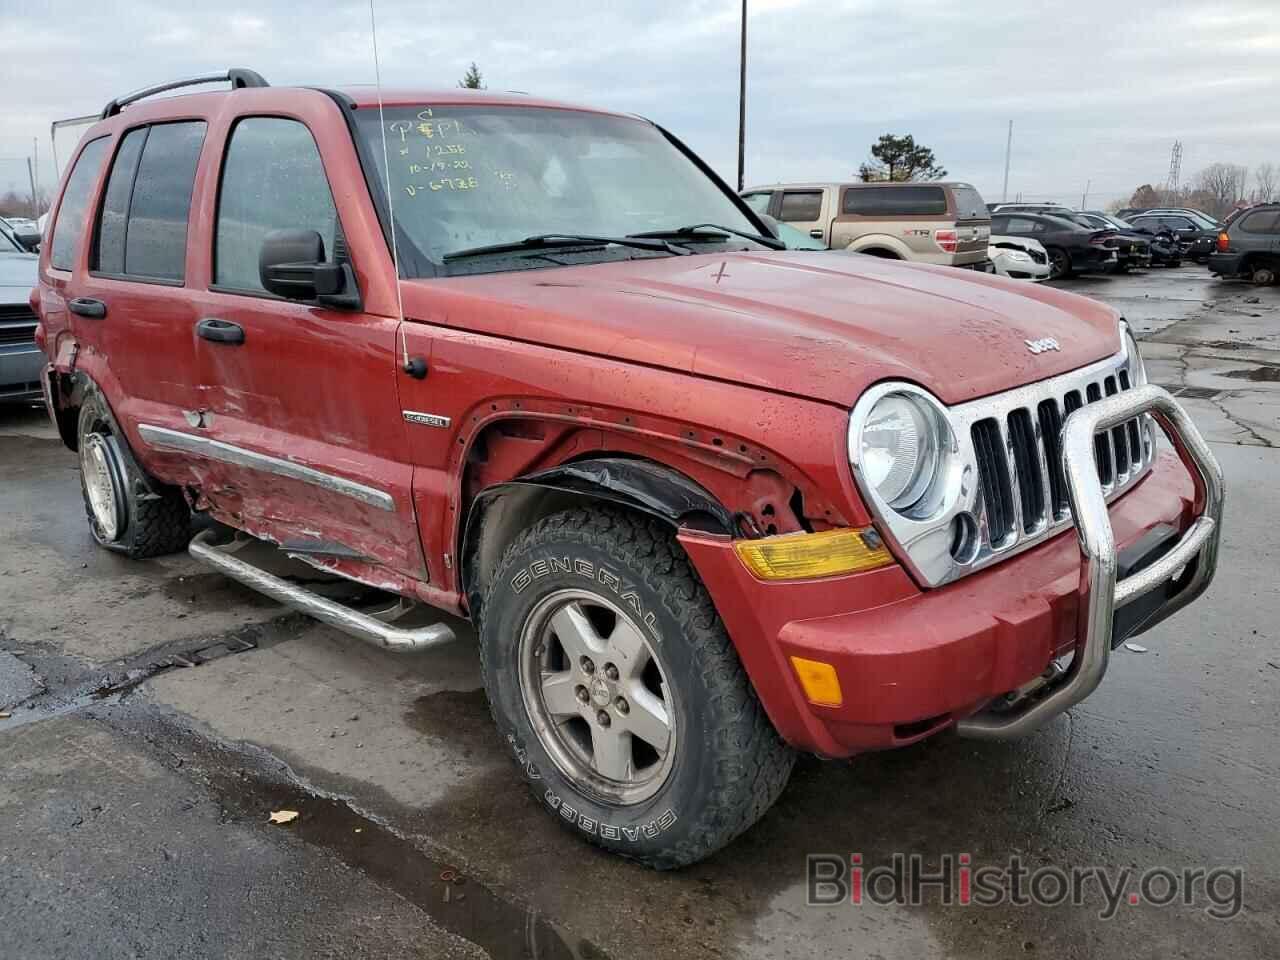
x,y
1042,345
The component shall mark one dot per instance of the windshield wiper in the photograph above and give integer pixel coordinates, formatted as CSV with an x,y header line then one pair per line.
x,y
543,240
694,229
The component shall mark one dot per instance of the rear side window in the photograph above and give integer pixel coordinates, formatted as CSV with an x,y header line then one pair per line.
x,y
1261,221
897,201
156,233
272,179
75,198
801,205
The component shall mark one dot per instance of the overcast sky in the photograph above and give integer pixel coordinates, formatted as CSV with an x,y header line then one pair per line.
x,y
1097,89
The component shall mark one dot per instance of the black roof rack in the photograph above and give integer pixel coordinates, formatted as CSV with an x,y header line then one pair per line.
x,y
238,77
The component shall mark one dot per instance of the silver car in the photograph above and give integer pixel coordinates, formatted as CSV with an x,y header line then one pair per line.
x,y
20,360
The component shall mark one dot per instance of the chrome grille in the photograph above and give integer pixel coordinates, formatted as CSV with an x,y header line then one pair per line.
x,y
1018,451
17,324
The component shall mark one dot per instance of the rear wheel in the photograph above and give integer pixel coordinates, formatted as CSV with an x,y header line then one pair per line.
x,y
1059,263
126,512
1263,272
616,686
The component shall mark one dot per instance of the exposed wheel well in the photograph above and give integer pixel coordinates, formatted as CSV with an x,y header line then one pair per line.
x,y
881,252
499,514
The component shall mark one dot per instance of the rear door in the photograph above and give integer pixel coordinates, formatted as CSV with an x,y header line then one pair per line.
x,y
801,208
137,274
299,399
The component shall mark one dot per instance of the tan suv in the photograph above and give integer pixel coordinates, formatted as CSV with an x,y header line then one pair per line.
x,y
943,223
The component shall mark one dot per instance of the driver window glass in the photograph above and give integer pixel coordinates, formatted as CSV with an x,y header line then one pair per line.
x,y
272,179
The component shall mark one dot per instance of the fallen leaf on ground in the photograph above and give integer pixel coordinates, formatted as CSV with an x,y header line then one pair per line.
x,y
284,816
1135,647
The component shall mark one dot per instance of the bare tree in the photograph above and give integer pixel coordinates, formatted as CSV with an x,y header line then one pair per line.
x,y
1266,177
1221,184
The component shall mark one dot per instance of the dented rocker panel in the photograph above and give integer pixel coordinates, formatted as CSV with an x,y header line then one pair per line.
x,y
162,438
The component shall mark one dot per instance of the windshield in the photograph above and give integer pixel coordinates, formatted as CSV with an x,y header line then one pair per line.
x,y
471,176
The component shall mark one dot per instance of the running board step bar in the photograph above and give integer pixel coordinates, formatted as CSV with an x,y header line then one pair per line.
x,y
349,621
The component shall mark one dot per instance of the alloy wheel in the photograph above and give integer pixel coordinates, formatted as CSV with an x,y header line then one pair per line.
x,y
598,697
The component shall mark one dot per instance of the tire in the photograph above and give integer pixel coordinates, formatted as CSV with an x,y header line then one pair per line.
x,y
1263,273
619,587
1059,263
127,512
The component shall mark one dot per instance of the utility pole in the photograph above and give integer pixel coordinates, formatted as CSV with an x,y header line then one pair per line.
x,y
742,102
32,177
1084,200
1008,149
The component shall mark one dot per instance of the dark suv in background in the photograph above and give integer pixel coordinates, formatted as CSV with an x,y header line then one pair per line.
x,y
1249,245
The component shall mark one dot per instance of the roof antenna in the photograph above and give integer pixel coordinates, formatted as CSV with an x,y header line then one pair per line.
x,y
416,367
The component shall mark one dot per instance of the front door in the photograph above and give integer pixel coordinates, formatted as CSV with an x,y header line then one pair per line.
x,y
299,399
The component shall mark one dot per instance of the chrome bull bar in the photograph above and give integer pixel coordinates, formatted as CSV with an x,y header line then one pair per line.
x,y
1101,593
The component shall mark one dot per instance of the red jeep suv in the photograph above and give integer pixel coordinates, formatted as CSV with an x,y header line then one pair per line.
x,y
707,501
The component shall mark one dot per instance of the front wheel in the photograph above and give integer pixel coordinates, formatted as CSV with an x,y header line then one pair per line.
x,y
1059,263
616,686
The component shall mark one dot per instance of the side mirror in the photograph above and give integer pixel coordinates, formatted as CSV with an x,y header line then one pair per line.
x,y
291,264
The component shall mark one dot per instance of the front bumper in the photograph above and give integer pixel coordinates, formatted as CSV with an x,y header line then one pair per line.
x,y
911,663
20,370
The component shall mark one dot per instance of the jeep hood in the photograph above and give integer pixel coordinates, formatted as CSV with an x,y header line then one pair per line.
x,y
822,325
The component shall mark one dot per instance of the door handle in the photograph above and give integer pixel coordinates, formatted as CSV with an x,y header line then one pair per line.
x,y
816,234
88,307
220,331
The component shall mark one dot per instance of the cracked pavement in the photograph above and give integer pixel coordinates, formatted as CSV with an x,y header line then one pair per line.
x,y
159,713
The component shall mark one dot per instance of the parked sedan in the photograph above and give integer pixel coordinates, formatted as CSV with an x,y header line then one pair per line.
x,y
20,359
1201,239
1071,248
1133,249
1019,258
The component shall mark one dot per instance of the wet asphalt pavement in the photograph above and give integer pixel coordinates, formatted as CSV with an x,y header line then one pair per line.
x,y
160,714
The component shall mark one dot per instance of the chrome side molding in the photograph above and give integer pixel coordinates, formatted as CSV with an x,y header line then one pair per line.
x,y
162,438
1101,594
353,622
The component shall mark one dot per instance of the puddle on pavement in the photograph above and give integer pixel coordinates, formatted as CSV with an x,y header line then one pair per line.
x,y
454,901
1255,374
459,717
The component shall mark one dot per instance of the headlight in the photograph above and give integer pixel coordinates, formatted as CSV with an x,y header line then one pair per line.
x,y
1137,369
900,446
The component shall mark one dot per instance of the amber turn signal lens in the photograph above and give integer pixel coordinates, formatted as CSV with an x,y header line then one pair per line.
x,y
821,685
803,556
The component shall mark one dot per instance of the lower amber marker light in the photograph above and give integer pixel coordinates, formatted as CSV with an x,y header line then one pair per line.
x,y
819,680
803,556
